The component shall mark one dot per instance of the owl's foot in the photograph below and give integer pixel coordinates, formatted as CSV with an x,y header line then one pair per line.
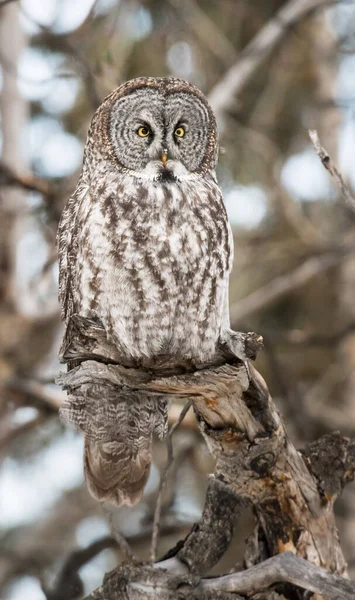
x,y
241,345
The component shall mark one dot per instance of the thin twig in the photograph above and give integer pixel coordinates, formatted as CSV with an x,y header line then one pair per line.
x,y
124,546
128,554
298,337
330,166
163,481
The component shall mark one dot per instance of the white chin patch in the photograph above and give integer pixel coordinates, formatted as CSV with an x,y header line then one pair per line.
x,y
173,169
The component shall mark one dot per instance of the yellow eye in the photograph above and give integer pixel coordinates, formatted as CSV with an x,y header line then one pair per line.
x,y
179,132
143,132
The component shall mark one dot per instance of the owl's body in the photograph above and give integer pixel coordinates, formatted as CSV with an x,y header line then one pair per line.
x,y
145,246
151,260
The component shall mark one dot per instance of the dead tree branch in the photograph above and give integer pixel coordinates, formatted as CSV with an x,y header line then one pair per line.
x,y
145,583
330,166
292,494
286,568
46,397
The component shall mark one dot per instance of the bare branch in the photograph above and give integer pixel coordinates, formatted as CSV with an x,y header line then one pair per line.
x,y
256,464
330,166
9,436
163,481
207,542
284,568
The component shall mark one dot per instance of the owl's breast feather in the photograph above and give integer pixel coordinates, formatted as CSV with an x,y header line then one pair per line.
x,y
161,270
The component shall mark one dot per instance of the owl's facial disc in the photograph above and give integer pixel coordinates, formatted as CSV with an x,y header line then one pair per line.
x,y
162,136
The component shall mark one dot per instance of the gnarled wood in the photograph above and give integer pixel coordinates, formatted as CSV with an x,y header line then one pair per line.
x,y
291,493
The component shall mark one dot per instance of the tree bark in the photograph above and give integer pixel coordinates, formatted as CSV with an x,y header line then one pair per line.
x,y
292,494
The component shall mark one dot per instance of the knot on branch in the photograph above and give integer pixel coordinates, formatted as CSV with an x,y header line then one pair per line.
x,y
263,463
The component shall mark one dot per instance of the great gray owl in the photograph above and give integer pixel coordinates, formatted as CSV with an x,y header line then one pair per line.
x,y
145,246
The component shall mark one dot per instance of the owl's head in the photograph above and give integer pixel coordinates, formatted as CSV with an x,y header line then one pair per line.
x,y
156,128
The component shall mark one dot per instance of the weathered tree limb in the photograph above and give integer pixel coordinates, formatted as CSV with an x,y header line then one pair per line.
x,y
144,583
286,568
331,459
292,494
209,539
40,394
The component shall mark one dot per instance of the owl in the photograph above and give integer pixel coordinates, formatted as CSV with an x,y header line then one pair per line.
x,y
145,247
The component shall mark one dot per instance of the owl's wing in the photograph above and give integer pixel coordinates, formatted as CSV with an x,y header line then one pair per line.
x,y
67,237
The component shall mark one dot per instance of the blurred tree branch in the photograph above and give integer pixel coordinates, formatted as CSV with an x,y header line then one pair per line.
x,y
206,30
4,2
333,170
222,96
28,181
284,284
69,584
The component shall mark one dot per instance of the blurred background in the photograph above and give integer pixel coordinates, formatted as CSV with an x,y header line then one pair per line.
x,y
294,273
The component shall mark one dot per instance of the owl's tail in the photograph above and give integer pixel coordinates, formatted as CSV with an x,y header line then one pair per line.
x,y
118,427
117,472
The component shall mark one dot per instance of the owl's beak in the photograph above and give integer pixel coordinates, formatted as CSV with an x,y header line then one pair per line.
x,y
164,157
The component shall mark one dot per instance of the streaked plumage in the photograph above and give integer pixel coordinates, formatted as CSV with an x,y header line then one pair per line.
x,y
147,249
